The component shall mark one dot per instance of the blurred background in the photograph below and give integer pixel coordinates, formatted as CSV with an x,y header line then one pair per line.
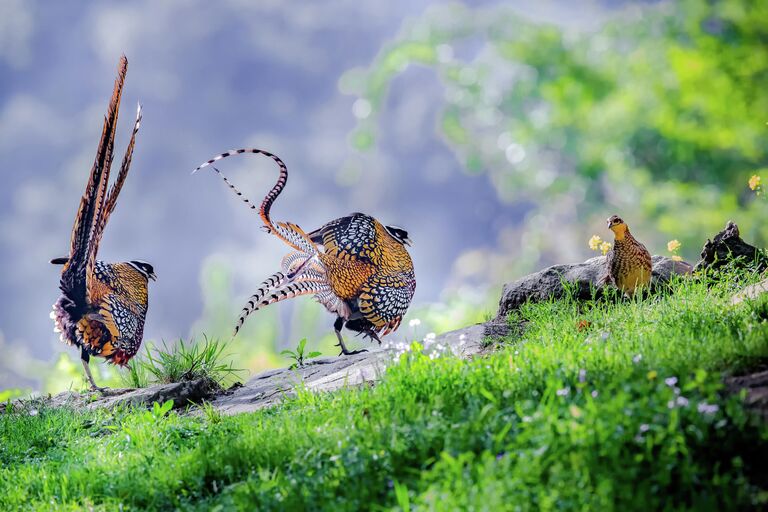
x,y
501,135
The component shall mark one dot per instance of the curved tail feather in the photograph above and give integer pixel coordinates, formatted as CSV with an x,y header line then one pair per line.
x,y
274,281
289,233
264,298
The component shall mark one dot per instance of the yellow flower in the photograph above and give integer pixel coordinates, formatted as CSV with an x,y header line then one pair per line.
x,y
652,374
605,247
594,242
675,257
673,245
754,182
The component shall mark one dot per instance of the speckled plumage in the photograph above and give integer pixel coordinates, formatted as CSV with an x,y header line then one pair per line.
x,y
628,261
356,267
111,323
102,306
369,268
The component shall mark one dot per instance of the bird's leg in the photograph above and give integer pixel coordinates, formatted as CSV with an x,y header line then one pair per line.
x,y
84,358
337,326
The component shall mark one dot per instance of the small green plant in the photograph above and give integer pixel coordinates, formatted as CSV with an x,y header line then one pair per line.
x,y
137,375
401,494
212,415
298,356
159,410
182,362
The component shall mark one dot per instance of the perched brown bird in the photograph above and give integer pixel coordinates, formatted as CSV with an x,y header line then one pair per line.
x,y
102,306
628,261
355,266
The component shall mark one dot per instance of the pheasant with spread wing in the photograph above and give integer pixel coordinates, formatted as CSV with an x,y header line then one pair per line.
x,y
102,306
356,267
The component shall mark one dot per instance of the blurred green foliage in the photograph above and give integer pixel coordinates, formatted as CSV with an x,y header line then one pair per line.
x,y
659,115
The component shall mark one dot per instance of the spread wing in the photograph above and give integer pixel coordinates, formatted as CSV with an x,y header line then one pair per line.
x,y
350,237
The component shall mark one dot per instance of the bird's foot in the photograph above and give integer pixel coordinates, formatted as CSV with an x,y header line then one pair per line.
x,y
93,388
346,352
352,352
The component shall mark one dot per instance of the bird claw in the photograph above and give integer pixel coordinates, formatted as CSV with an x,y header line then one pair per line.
x,y
352,352
345,352
98,389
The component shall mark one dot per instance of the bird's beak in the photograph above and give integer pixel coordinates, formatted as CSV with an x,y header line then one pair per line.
x,y
407,241
152,276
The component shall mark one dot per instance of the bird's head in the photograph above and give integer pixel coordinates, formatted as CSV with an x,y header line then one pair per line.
x,y
398,234
618,226
144,268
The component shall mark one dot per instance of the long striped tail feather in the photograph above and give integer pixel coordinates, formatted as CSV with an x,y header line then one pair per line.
x,y
106,148
114,191
285,231
82,253
262,299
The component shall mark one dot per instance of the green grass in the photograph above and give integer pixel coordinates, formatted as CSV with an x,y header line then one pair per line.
x,y
181,362
627,413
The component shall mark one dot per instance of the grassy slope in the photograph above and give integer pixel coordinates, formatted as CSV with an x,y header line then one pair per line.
x,y
565,418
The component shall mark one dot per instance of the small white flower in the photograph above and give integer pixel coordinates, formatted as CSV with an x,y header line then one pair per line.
x,y
670,381
414,323
682,401
430,336
594,393
706,408
582,375
637,358
645,427
564,391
